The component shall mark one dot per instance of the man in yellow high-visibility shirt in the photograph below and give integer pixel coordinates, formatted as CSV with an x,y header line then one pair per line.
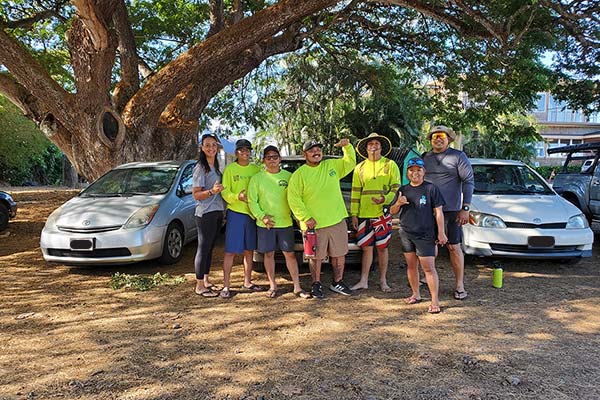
x,y
315,198
374,184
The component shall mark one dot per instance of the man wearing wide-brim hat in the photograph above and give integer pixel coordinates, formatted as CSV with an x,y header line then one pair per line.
x,y
374,184
450,170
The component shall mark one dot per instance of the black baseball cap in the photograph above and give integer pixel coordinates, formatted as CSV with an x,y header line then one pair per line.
x,y
310,144
243,143
270,148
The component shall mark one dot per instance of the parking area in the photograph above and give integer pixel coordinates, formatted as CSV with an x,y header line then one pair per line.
x,y
67,334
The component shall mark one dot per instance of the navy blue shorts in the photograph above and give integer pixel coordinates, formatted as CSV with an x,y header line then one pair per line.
x,y
240,233
275,239
412,244
453,229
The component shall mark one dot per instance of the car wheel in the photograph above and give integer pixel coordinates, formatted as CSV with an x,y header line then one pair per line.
x,y
3,217
173,244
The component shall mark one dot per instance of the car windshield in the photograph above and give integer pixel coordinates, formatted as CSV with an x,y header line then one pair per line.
x,y
508,179
132,182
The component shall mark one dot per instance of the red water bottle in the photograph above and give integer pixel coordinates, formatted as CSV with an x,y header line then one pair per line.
x,y
310,243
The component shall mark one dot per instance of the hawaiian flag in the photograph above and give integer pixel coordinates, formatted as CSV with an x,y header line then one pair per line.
x,y
378,230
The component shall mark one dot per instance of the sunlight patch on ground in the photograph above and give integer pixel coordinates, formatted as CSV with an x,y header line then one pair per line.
x,y
580,317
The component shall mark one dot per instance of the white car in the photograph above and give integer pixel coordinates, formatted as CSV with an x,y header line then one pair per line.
x,y
137,211
515,213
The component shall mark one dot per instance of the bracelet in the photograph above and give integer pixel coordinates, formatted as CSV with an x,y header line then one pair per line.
x,y
210,193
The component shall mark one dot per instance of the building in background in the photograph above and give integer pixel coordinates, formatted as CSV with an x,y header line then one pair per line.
x,y
561,126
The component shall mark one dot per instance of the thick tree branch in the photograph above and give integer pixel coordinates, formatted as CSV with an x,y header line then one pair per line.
x,y
18,95
93,50
237,12
153,97
129,61
217,18
190,103
33,76
34,110
93,14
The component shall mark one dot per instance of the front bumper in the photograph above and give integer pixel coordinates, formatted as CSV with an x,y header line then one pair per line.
x,y
121,246
515,242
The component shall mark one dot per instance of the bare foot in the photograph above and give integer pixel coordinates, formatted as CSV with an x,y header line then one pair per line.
x,y
359,286
385,288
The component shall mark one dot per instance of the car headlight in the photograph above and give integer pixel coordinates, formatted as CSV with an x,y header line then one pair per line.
x,y
486,220
578,222
141,217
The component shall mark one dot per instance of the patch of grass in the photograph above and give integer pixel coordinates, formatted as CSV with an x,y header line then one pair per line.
x,y
143,283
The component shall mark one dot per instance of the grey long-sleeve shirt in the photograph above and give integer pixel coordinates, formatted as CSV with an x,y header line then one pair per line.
x,y
452,173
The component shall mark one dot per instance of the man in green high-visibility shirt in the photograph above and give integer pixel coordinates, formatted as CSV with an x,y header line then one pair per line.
x,y
315,198
267,199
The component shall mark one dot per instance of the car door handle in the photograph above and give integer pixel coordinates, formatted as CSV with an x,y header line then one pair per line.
x,y
595,182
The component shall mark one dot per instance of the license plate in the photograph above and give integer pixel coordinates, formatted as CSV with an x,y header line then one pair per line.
x,y
83,244
540,241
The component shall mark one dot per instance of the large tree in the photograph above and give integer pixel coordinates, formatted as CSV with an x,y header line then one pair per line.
x,y
109,82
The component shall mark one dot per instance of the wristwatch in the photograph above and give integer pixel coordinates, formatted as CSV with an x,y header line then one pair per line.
x,y
466,208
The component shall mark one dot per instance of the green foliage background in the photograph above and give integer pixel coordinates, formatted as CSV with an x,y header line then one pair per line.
x,y
26,155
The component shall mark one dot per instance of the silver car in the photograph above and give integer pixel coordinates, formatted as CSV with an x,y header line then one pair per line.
x,y
137,211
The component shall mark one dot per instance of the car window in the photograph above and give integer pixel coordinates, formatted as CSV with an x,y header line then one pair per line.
x,y
508,179
132,181
186,180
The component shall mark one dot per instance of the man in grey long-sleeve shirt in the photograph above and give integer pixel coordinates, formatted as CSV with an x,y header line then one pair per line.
x,y
450,170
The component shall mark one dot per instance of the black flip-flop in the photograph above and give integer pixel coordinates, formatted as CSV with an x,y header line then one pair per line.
x,y
460,295
207,293
253,288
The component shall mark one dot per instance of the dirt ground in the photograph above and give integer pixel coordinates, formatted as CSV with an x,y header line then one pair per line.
x,y
66,334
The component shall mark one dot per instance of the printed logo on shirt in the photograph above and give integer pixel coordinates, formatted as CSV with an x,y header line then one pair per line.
x,y
237,178
332,172
282,183
423,200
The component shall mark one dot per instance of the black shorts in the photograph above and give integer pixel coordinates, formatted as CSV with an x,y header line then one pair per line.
x,y
424,247
275,239
453,229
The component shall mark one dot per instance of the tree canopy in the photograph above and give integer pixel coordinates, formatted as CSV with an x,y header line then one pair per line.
x,y
111,81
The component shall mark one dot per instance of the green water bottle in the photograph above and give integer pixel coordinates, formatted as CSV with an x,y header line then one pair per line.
x,y
497,278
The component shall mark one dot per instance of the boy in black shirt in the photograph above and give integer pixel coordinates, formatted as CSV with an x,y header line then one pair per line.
x,y
420,204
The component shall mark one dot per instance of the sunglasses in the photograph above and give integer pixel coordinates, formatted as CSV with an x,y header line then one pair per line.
x,y
439,135
272,157
413,163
